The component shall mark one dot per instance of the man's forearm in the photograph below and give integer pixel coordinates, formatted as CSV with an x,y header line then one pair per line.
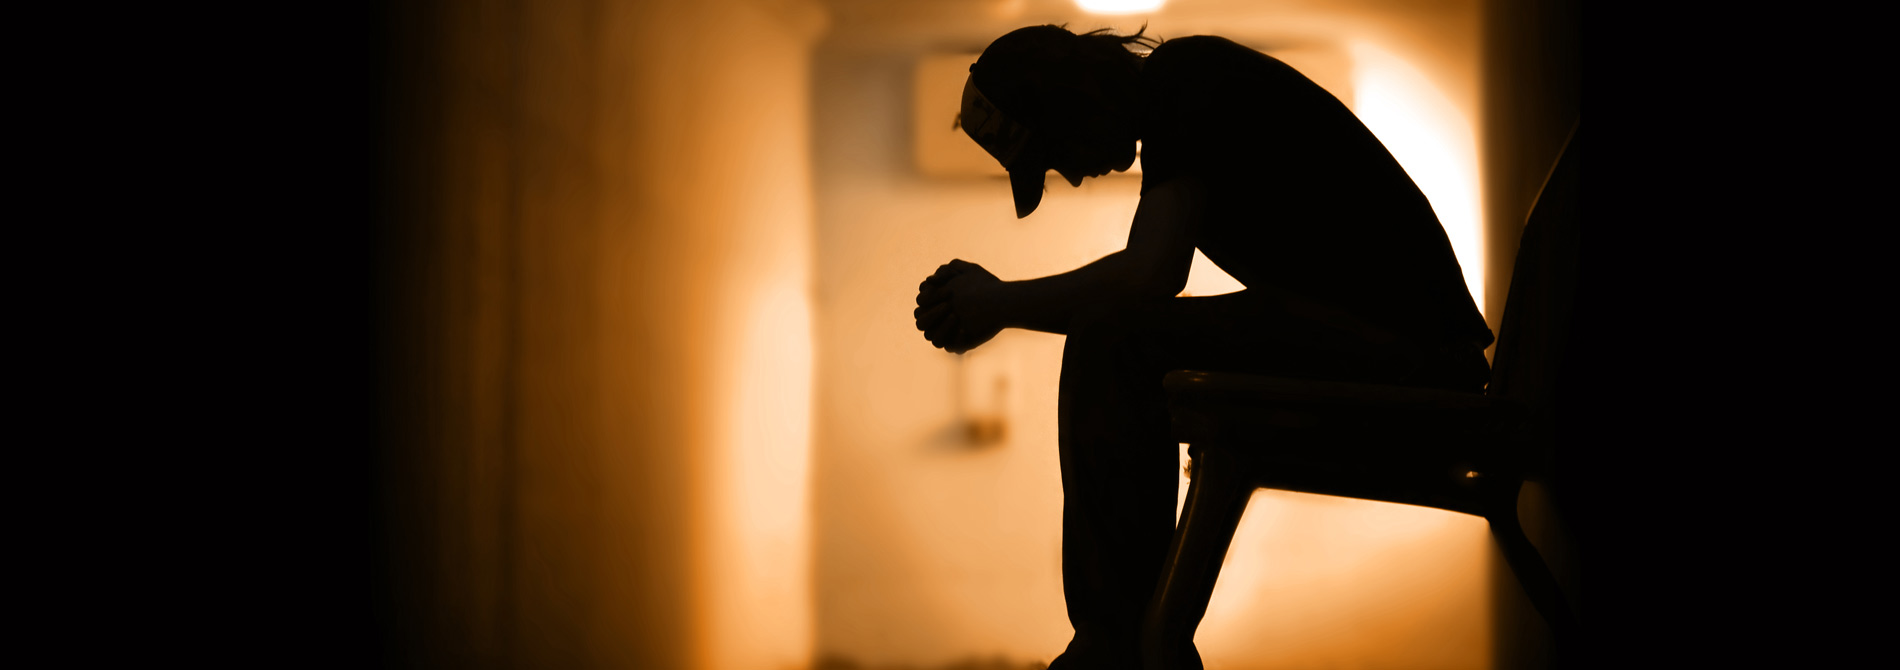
x,y
1049,304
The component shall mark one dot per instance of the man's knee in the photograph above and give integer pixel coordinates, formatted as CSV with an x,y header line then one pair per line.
x,y
1113,344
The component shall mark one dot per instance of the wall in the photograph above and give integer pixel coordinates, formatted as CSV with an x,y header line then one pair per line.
x,y
596,266
934,549
931,550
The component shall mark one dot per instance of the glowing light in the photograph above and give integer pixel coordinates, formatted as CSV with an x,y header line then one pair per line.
x,y
1119,6
1317,581
1349,582
761,535
1433,140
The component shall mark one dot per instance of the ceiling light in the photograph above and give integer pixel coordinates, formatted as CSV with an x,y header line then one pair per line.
x,y
1119,6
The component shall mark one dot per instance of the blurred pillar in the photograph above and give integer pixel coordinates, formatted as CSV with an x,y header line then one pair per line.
x,y
589,202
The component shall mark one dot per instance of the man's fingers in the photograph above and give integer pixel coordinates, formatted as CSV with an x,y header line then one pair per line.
x,y
939,323
938,292
947,329
934,332
929,317
940,334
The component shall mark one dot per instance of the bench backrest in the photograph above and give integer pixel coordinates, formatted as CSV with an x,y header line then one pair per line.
x,y
1535,337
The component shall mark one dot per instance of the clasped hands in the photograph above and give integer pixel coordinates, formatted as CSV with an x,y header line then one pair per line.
x,y
954,307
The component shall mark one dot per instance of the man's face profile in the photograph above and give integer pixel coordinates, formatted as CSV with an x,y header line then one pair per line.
x,y
1092,157
1088,143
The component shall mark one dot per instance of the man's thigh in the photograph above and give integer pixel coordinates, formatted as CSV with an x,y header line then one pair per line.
x,y
1253,332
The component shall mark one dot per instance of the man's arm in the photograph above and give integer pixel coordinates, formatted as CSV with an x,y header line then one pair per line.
x,y
964,305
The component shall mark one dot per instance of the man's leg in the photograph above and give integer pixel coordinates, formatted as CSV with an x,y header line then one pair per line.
x,y
1118,484
1119,464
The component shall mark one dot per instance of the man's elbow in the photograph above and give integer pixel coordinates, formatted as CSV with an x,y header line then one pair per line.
x,y
1146,278
1161,283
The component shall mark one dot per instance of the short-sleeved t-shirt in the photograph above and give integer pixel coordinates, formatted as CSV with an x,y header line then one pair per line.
x,y
1300,195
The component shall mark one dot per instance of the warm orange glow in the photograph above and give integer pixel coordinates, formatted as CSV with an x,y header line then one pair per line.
x,y
1205,278
761,561
1433,139
750,181
1318,581
933,548
658,400
1119,6
1334,582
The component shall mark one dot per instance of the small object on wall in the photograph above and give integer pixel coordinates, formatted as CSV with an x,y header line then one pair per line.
x,y
983,394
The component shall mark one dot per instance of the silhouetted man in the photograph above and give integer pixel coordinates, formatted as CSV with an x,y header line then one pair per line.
x,y
1349,276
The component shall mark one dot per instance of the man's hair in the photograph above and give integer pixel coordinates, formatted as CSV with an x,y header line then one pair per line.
x,y
1026,71
1110,46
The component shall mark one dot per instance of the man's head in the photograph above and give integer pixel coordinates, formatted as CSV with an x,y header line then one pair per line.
x,y
1043,98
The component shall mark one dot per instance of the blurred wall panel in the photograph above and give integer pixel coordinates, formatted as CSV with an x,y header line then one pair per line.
x,y
595,269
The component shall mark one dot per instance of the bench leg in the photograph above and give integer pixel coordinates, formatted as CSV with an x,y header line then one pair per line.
x,y
1217,495
1534,575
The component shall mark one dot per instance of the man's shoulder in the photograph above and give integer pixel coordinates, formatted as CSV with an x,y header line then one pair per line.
x,y
1199,48
1213,61
1202,78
